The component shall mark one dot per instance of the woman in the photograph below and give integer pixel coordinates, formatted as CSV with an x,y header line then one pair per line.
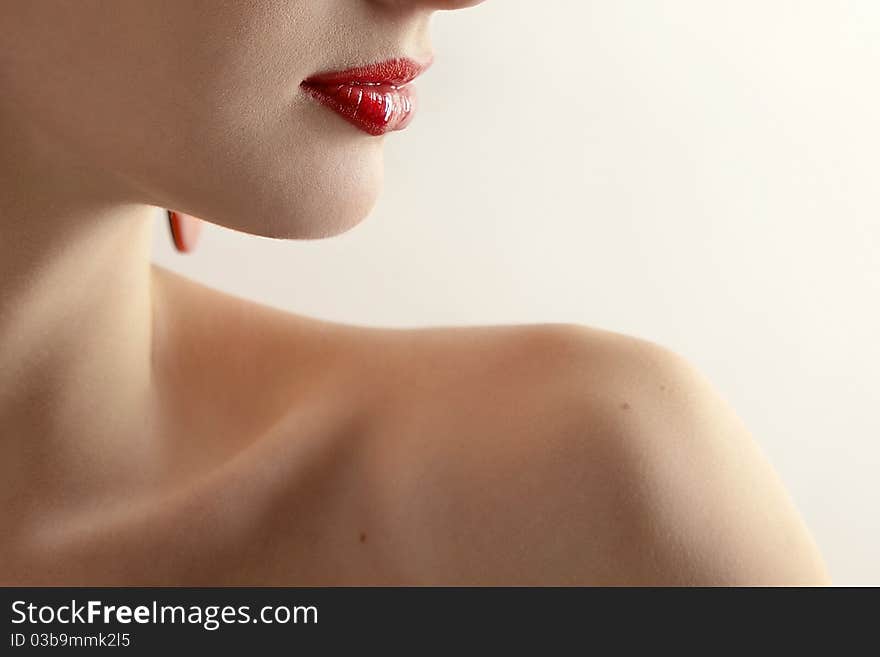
x,y
157,432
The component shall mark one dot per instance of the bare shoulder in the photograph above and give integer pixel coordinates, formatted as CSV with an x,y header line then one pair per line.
x,y
564,454
524,454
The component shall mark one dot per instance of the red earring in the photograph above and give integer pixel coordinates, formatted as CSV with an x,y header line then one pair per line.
x,y
185,230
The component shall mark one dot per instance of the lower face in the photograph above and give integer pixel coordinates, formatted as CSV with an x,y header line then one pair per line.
x,y
199,105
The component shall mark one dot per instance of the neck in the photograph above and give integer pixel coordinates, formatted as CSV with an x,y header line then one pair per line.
x,y
75,317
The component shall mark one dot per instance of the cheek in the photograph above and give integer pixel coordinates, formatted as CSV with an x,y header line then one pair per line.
x,y
252,153
204,114
258,155
292,171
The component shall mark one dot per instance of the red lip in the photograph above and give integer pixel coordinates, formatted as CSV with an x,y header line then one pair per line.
x,y
374,98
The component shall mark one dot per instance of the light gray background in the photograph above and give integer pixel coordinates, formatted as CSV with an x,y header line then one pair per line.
x,y
700,173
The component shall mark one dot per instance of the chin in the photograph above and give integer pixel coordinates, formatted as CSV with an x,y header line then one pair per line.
x,y
325,207
330,220
312,198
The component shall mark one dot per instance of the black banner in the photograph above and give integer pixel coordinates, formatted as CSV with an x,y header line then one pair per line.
x,y
412,620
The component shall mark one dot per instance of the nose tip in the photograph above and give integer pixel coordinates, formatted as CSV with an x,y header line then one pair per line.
x,y
458,4
461,4
437,5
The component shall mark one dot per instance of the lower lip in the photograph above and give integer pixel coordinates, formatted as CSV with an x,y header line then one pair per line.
x,y
374,108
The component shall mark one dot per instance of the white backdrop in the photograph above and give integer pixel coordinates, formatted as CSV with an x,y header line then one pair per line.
x,y
700,173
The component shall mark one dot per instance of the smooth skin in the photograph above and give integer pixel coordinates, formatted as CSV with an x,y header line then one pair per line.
x,y
154,431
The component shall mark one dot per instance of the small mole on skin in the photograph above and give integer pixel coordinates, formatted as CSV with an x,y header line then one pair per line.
x,y
363,537
662,387
625,406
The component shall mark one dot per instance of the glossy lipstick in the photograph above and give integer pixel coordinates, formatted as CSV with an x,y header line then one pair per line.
x,y
376,98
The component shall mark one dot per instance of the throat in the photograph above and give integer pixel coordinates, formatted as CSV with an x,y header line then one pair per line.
x,y
76,394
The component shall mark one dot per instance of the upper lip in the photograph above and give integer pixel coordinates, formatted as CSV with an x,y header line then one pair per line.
x,y
396,72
